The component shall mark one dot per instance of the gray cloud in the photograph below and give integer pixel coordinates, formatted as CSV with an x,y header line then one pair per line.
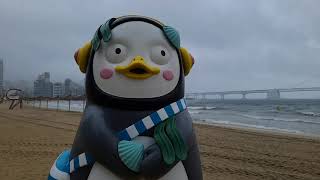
x,y
237,44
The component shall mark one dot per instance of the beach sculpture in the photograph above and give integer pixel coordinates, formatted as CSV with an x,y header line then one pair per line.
x,y
15,95
135,124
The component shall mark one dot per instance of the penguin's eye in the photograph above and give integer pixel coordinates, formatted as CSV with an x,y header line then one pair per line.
x,y
160,55
118,50
116,53
163,53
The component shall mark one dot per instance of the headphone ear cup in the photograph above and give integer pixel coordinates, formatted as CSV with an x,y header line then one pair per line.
x,y
187,60
81,56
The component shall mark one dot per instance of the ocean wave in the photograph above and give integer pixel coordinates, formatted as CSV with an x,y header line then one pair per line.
x,y
278,119
251,126
309,113
194,112
201,107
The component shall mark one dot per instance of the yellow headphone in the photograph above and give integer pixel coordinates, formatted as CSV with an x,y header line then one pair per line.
x,y
82,55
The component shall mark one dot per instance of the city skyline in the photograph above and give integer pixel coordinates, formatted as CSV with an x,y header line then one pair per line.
x,y
43,87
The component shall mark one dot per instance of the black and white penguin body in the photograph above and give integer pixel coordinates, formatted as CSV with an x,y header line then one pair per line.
x,y
135,124
152,167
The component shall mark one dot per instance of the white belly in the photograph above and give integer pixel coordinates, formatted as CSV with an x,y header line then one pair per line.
x,y
98,172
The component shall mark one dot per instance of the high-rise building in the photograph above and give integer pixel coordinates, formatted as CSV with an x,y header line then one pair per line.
x,y
67,87
73,89
57,89
1,77
42,86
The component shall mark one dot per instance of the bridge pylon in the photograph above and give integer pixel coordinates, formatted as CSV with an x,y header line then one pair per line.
x,y
244,96
273,94
222,96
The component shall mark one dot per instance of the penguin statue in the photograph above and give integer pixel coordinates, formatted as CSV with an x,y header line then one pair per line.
x,y
135,124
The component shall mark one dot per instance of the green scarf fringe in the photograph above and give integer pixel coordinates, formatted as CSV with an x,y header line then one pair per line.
x,y
170,141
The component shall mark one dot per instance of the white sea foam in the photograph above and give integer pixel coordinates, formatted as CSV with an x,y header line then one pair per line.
x,y
309,113
210,121
194,112
201,107
270,118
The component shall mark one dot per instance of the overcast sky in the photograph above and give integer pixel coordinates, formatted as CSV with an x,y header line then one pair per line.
x,y
240,44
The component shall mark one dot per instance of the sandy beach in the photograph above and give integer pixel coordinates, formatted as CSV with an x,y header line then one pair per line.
x,y
31,139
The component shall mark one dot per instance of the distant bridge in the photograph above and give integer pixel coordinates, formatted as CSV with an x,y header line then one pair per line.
x,y
270,93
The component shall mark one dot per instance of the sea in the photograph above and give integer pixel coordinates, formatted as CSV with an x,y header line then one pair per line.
x,y
298,116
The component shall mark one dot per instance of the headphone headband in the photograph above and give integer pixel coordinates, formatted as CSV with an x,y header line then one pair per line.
x,y
122,19
104,31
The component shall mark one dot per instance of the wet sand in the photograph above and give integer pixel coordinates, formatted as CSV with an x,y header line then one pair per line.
x,y
31,139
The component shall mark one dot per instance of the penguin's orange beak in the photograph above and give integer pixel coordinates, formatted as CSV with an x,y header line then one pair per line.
x,y
137,69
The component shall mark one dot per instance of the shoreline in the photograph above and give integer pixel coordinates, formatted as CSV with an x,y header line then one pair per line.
x,y
233,126
32,138
262,130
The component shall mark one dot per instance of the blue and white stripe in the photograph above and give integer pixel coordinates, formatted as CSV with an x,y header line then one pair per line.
x,y
152,120
57,174
83,159
62,168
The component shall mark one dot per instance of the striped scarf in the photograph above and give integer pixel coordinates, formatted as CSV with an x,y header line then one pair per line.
x,y
152,120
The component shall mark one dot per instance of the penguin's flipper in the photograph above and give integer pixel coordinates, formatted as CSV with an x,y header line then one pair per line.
x,y
100,141
192,164
153,165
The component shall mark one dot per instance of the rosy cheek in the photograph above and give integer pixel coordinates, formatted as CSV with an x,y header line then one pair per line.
x,y
106,73
167,75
